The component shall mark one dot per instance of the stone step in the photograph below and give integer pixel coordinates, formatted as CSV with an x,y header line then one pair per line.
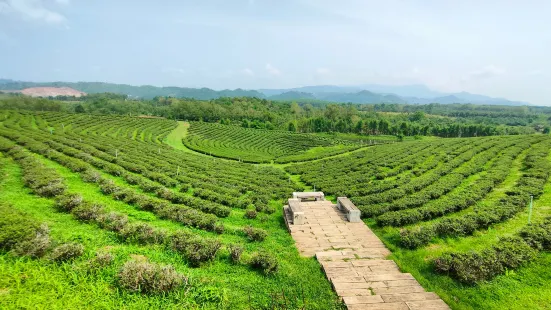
x,y
354,261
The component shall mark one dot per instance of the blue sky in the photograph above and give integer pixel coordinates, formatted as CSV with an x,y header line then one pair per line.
x,y
496,48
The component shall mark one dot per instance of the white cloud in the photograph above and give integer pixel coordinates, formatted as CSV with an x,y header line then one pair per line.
x,y
63,1
272,70
248,72
323,71
486,72
33,10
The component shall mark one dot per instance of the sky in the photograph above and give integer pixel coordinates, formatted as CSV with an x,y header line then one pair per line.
x,y
499,48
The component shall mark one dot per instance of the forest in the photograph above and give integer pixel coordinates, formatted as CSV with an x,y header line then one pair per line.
x,y
443,120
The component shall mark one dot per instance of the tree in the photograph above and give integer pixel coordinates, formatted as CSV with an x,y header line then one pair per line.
x,y
417,116
292,126
79,109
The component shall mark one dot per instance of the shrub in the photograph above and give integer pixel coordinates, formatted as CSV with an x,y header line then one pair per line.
x,y
101,260
90,176
142,233
53,188
235,252
417,237
538,236
88,211
112,221
184,188
67,252
473,267
108,187
265,262
250,214
199,250
165,193
255,234
179,240
68,202
37,246
196,249
15,227
149,278
219,228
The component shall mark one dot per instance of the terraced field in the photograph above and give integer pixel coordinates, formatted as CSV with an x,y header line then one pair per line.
x,y
120,205
454,208
261,146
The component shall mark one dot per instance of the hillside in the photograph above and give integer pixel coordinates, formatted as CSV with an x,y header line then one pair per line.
x,y
52,92
364,94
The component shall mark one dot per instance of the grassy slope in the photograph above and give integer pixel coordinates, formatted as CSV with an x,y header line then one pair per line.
x,y
220,282
526,287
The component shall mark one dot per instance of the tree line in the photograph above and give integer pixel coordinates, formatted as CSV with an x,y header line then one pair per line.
x,y
454,120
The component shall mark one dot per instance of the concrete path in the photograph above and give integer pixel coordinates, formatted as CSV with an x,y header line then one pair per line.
x,y
353,259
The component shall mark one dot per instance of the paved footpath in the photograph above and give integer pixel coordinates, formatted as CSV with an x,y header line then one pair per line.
x,y
353,259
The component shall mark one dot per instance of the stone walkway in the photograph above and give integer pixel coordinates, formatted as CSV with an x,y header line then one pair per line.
x,y
353,259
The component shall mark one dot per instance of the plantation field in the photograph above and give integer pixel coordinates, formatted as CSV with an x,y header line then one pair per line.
x,y
117,203
454,213
261,146
92,206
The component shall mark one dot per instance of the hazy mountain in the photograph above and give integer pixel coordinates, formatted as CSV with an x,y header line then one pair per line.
x,y
363,96
6,81
146,91
373,93
370,93
292,95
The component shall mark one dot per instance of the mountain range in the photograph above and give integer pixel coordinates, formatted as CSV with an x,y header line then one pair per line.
x,y
362,94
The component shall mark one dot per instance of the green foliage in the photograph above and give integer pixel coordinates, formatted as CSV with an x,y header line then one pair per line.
x,y
255,234
67,251
252,145
15,227
36,247
235,252
149,278
473,267
264,262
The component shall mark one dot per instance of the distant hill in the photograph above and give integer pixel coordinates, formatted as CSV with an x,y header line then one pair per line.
x,y
369,93
52,92
372,93
146,91
292,95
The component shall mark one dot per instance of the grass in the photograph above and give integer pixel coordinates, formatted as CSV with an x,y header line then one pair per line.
x,y
524,288
25,283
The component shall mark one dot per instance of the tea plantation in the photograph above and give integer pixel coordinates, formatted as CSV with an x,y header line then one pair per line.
x,y
129,212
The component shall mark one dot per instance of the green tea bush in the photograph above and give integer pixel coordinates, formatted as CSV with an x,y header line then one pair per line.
x,y
90,176
235,252
538,236
88,212
67,251
68,202
198,250
15,227
142,233
36,247
473,267
101,260
149,278
264,262
112,221
250,214
255,234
